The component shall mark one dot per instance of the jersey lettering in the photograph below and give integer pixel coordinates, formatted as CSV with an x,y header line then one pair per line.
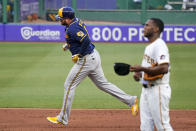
x,y
149,60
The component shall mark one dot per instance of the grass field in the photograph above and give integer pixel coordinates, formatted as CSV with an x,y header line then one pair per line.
x,y
33,75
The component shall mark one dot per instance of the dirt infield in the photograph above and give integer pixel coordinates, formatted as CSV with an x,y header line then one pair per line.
x,y
86,120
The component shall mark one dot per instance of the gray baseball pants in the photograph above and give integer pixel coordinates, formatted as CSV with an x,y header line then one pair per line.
x,y
89,65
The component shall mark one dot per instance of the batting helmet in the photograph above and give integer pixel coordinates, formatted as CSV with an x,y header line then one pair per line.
x,y
65,12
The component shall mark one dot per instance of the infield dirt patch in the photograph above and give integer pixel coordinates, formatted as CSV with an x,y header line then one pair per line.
x,y
19,119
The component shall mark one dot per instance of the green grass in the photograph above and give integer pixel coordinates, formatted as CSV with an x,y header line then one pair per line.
x,y
33,75
183,76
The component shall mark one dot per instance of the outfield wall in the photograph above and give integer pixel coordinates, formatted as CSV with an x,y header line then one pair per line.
x,y
97,33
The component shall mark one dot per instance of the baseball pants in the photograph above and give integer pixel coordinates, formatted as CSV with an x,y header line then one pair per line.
x,y
89,65
154,108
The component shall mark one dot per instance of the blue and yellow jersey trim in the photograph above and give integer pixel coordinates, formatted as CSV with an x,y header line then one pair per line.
x,y
83,38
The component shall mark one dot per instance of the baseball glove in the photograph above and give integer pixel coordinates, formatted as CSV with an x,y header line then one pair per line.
x,y
121,69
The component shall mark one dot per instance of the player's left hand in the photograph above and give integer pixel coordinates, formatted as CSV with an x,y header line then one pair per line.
x,y
75,58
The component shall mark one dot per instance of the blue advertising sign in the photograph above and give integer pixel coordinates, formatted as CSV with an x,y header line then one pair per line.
x,y
1,32
134,33
97,33
34,33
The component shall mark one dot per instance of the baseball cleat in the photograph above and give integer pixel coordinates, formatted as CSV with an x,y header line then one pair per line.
x,y
53,120
135,108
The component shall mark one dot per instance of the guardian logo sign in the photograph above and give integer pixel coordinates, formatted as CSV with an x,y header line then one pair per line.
x,y
28,32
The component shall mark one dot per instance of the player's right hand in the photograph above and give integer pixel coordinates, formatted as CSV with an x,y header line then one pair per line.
x,y
65,47
137,76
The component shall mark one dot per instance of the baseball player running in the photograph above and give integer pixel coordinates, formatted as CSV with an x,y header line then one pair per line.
x,y
154,73
87,63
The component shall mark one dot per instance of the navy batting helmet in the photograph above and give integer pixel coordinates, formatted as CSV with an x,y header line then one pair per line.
x,y
65,12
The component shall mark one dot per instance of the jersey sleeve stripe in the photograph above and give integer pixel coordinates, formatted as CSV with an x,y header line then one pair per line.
x,y
83,38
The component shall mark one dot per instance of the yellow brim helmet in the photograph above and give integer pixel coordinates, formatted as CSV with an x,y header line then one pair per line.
x,y
65,12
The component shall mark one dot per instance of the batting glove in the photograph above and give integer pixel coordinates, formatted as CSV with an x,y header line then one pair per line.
x,y
75,58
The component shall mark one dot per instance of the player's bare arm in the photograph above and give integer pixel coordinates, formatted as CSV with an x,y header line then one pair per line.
x,y
159,69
